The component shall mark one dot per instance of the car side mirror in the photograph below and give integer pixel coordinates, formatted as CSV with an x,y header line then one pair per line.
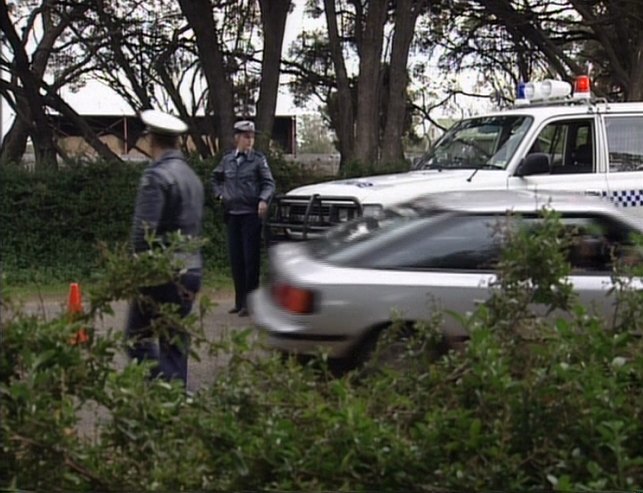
x,y
536,163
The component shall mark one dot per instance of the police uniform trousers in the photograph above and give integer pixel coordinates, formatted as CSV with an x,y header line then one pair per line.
x,y
167,346
244,249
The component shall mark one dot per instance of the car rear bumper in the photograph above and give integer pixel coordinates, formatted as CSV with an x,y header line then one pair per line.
x,y
289,333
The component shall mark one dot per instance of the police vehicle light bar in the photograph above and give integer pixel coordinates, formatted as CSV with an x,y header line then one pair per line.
x,y
547,89
556,88
551,89
533,91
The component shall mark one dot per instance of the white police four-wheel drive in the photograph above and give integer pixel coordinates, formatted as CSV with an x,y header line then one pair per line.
x,y
552,139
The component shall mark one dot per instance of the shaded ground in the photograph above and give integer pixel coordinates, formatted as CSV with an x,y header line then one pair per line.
x,y
216,323
201,373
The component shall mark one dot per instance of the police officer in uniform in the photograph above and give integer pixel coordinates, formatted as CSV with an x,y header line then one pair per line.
x,y
170,199
244,182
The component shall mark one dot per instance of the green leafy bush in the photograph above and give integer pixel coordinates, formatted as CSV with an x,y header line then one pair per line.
x,y
528,405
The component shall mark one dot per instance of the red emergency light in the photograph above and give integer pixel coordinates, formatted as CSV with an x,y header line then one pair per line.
x,y
582,87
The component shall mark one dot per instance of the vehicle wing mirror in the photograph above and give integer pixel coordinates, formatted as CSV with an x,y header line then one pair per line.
x,y
536,163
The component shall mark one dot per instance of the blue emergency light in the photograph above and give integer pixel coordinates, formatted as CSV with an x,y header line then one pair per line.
x,y
521,99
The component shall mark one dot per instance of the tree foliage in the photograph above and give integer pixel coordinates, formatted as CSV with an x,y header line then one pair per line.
x,y
367,105
510,41
46,24
193,58
376,67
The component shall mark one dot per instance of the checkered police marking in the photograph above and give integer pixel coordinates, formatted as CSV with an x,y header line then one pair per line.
x,y
625,198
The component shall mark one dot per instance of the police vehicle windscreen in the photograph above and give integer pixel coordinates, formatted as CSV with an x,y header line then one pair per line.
x,y
486,142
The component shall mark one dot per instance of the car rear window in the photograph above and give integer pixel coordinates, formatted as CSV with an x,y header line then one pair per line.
x,y
367,233
437,241
456,241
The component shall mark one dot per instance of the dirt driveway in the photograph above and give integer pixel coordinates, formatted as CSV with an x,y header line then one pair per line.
x,y
216,323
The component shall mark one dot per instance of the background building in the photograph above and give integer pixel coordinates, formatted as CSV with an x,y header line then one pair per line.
x,y
123,134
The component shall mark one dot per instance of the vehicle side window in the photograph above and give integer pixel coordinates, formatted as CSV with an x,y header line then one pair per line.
x,y
625,143
569,145
598,243
462,243
590,250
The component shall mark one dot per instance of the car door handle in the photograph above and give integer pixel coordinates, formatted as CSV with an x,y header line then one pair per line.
x,y
597,193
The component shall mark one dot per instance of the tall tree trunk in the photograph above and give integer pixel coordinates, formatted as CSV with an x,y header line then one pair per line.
x,y
341,110
369,83
32,121
195,132
273,19
14,144
199,16
41,134
406,14
634,91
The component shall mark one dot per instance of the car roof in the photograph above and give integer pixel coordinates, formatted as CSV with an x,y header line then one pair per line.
x,y
543,110
519,201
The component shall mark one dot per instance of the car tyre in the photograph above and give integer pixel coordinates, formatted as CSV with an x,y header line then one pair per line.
x,y
368,354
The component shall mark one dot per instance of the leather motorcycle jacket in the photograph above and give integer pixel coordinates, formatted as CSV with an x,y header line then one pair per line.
x,y
242,180
170,198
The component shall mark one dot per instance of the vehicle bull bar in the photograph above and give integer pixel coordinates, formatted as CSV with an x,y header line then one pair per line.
x,y
298,217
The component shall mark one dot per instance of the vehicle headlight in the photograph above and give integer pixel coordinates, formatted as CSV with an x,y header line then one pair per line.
x,y
372,210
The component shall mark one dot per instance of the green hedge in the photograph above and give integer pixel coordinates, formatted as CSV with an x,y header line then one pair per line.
x,y
51,222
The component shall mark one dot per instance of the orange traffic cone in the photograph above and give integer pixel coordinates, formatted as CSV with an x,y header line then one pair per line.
x,y
74,308
75,301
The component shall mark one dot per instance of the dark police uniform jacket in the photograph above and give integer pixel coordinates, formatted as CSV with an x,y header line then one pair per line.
x,y
242,180
170,198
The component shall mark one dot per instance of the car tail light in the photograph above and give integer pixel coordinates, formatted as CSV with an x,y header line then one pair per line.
x,y
293,299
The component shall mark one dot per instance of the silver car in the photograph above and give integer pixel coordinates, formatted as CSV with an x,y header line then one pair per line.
x,y
334,293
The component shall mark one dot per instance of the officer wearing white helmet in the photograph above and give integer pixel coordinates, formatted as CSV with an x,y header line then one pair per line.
x,y
244,182
169,199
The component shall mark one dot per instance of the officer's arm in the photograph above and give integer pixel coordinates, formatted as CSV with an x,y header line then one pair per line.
x,y
150,201
216,180
267,182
